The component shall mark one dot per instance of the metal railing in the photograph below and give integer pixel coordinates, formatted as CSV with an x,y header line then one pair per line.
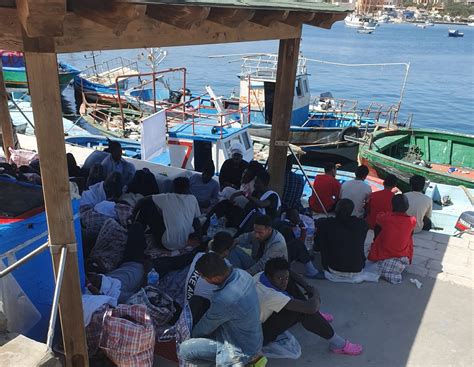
x,y
265,65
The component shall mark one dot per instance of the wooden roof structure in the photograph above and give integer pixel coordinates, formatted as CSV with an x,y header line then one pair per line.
x,y
43,28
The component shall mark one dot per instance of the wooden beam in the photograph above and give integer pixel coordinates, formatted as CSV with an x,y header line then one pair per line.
x,y
326,20
5,119
183,17
296,18
41,18
288,54
43,83
230,17
109,13
266,18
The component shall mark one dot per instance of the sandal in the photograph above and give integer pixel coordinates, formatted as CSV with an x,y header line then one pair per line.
x,y
327,316
349,349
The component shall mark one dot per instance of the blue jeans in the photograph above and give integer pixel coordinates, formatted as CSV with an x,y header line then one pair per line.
x,y
208,352
240,259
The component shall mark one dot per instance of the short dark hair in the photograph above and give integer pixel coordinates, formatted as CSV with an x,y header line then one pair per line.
x,y
362,171
263,220
209,167
344,208
221,242
113,185
276,264
211,265
263,176
417,183
114,145
400,203
181,185
390,180
329,166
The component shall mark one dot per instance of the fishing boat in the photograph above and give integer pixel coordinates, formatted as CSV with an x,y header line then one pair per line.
x,y
14,72
441,157
365,31
455,33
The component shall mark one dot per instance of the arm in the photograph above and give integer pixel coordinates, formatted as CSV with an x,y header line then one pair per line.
x,y
216,315
276,250
197,228
140,204
261,204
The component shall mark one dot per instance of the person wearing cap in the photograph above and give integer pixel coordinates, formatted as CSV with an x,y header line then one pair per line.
x,y
233,168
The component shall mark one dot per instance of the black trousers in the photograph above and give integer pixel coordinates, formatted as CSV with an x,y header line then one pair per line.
x,y
198,305
297,251
281,321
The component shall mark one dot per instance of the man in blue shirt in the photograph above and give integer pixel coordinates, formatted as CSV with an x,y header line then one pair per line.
x,y
204,187
115,163
229,333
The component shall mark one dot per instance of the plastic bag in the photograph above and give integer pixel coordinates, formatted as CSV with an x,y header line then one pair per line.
x,y
159,304
22,157
20,312
285,346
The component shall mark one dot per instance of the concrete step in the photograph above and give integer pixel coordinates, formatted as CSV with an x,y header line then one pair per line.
x,y
21,351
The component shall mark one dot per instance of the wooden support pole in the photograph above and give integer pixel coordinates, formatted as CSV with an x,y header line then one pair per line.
x,y
43,83
288,54
5,119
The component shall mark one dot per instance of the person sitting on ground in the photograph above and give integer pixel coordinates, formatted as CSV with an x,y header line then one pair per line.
x,y
327,188
357,190
381,201
198,292
110,190
142,184
283,304
204,187
172,217
293,187
392,248
233,168
229,333
294,231
340,240
115,163
419,205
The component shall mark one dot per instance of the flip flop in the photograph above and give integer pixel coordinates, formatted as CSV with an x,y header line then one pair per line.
x,y
349,349
327,316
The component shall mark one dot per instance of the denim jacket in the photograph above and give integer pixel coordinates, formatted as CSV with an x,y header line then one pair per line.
x,y
234,319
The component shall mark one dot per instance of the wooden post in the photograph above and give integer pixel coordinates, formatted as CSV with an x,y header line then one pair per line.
x,y
282,108
5,119
43,83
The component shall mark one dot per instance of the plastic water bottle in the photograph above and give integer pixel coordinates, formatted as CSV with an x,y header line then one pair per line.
x,y
213,224
153,277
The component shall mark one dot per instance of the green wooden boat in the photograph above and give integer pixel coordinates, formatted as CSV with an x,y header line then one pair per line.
x,y
439,156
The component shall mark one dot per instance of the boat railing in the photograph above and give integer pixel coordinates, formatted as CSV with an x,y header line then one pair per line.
x,y
107,71
333,104
265,66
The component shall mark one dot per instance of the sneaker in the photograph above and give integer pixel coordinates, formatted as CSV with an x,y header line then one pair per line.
x,y
349,349
327,316
318,275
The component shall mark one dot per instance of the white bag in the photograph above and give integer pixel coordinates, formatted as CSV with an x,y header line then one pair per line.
x,y
285,346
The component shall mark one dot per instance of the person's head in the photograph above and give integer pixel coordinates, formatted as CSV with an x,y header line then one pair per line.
x,y
361,172
344,208
293,216
261,181
417,183
208,171
212,268
390,181
262,228
236,151
115,150
113,186
399,203
330,169
277,270
251,171
222,243
181,185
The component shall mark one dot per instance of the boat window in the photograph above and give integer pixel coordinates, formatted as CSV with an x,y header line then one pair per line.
x,y
202,154
299,91
305,83
245,138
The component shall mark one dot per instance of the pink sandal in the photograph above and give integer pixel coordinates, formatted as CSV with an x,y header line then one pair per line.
x,y
349,349
327,316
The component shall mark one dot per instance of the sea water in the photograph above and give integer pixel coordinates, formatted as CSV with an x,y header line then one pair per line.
x,y
439,91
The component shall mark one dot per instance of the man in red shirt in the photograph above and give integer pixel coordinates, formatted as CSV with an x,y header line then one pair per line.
x,y
381,201
327,188
392,248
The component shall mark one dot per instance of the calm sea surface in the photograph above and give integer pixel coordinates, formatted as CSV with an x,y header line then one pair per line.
x,y
439,92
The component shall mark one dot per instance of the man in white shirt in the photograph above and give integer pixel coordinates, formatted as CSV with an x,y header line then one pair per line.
x,y
419,205
283,304
357,191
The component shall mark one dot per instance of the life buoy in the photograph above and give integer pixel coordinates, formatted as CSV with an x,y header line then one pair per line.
x,y
349,131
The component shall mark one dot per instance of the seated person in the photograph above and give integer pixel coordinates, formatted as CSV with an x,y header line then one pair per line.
x,y
358,191
142,184
381,201
204,187
341,240
172,217
264,242
327,188
419,205
110,189
115,163
229,333
294,231
392,248
232,169
283,304
293,187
